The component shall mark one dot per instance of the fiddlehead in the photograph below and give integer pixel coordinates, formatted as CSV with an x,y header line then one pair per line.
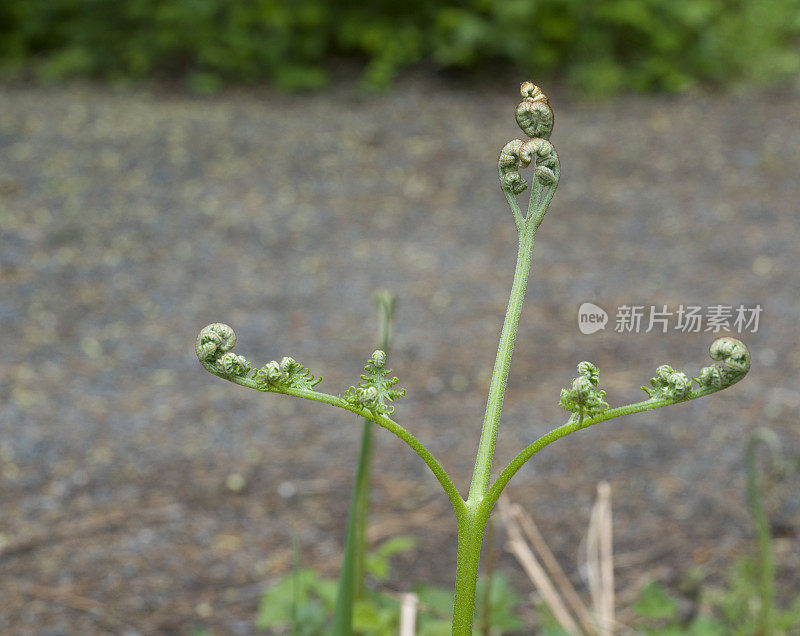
x,y
288,374
676,386
375,388
584,397
518,154
535,118
533,114
214,350
735,360
288,377
669,384
668,387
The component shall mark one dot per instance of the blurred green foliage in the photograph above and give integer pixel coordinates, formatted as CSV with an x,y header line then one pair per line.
x,y
601,46
700,609
309,598
730,611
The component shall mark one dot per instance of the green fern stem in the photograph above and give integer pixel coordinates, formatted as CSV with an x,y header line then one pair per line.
x,y
583,398
472,524
494,404
381,420
573,425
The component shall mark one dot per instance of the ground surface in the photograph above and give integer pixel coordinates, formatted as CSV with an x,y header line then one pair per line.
x,y
129,221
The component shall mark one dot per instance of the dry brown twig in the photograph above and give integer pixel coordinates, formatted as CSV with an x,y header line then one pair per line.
x,y
536,573
600,559
552,583
565,587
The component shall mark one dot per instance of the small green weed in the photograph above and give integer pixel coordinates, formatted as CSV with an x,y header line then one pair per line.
x,y
311,598
731,611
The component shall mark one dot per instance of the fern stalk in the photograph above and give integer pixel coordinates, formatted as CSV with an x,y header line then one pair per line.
x,y
370,397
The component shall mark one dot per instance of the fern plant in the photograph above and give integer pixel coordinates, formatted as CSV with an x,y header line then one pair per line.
x,y
372,396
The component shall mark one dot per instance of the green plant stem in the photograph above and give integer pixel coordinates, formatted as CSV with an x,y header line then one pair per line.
x,y
766,563
385,302
537,216
351,574
571,426
470,537
381,420
295,625
494,404
361,501
512,202
471,524
350,581
488,577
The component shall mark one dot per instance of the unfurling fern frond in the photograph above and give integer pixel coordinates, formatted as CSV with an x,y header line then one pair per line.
x,y
518,154
534,114
584,397
669,384
735,360
375,387
535,117
214,350
288,374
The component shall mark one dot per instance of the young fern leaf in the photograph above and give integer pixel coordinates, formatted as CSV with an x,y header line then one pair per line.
x,y
213,348
369,398
214,345
669,384
375,388
735,360
287,374
676,386
534,114
584,397
517,154
585,400
535,118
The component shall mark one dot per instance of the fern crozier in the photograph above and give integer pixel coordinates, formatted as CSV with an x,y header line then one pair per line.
x,y
735,359
533,114
375,387
584,397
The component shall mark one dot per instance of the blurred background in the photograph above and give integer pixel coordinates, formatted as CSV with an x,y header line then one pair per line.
x,y
164,165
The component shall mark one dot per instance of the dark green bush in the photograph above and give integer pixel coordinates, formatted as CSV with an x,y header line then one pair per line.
x,y
598,45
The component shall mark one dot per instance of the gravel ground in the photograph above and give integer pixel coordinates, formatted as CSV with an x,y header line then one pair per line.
x,y
130,220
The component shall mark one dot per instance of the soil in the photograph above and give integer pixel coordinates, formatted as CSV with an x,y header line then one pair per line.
x,y
141,495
